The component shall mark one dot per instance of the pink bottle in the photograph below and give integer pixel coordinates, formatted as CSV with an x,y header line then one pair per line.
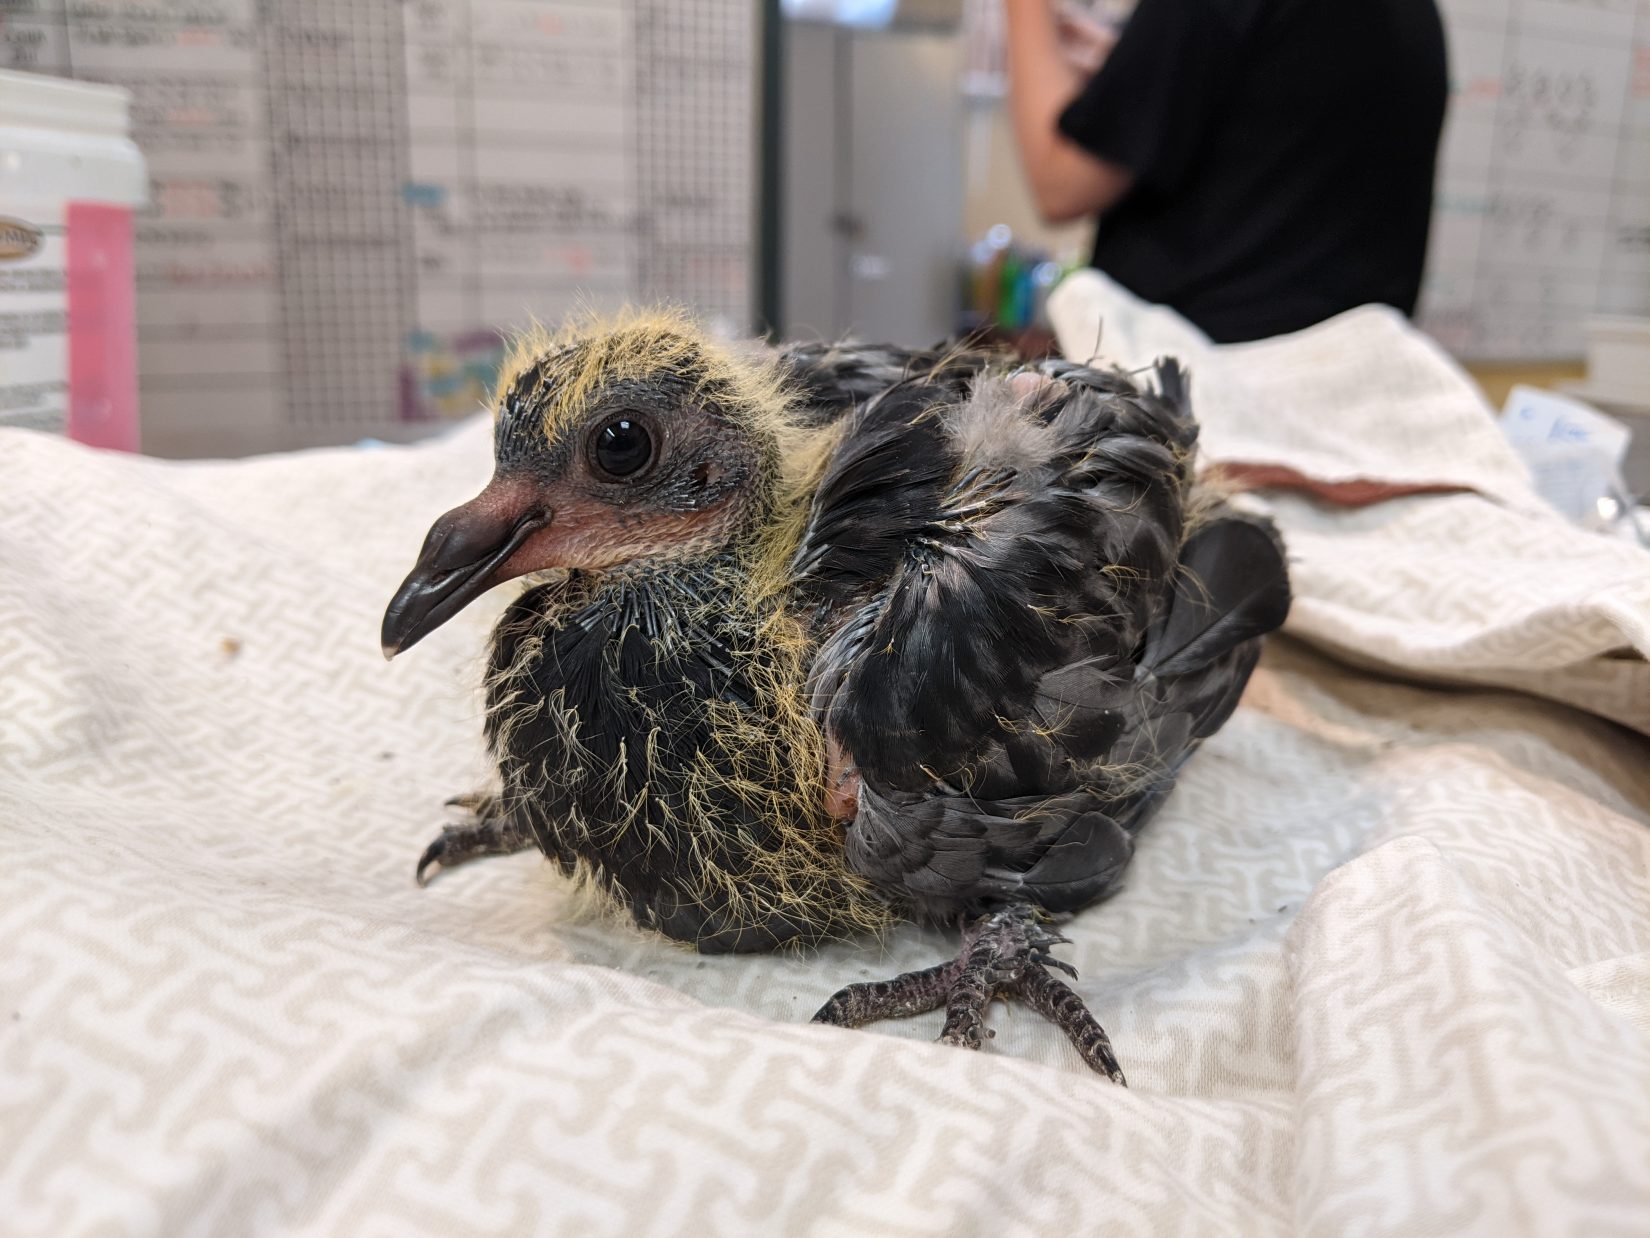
x,y
69,180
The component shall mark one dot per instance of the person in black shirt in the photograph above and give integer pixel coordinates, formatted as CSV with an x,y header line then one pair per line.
x,y
1258,165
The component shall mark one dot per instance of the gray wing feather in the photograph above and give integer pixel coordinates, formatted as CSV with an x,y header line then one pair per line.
x,y
1037,646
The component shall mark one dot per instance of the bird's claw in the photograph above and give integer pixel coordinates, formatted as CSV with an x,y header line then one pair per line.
x,y
488,831
1003,956
1048,960
432,856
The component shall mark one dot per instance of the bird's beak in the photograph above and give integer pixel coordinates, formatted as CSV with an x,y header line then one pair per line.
x,y
468,551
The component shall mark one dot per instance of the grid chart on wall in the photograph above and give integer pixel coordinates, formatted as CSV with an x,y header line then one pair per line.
x,y
350,198
1543,212
700,59
336,97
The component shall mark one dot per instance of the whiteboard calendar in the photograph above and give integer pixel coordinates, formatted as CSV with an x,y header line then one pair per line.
x,y
1543,210
351,197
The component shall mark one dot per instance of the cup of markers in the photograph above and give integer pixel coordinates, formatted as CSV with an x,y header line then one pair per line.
x,y
1005,285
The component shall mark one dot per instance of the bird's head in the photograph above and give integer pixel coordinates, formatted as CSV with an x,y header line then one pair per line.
x,y
614,443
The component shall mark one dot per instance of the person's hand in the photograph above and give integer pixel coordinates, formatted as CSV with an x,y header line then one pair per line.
x,y
1084,42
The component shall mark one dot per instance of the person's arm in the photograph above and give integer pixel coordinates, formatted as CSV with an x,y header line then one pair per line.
x,y
1066,181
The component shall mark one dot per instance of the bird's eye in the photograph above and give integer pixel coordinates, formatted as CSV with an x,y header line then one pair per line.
x,y
622,447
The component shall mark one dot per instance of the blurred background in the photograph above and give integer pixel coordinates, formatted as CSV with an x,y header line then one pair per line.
x,y
348,199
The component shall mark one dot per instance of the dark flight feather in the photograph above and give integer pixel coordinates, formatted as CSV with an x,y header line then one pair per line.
x,y
834,379
1020,645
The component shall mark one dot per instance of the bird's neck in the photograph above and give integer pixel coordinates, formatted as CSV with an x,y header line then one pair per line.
x,y
778,513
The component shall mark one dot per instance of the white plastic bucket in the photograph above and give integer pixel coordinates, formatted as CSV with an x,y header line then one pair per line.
x,y
69,180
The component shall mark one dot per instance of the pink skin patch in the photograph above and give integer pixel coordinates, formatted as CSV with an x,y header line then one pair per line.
x,y
103,406
1026,384
841,781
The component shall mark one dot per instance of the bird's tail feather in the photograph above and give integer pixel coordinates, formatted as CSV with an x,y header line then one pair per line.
x,y
1233,586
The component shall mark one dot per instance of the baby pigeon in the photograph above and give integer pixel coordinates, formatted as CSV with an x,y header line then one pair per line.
x,y
819,641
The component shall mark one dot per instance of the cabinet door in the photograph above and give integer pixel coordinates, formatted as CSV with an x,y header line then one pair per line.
x,y
905,191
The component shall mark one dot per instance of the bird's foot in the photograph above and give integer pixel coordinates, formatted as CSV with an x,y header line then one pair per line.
x,y
1006,955
488,831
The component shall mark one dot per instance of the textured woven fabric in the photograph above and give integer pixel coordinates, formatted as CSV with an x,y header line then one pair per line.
x,y
1380,966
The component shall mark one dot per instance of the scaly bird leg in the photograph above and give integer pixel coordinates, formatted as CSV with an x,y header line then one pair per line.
x,y
978,975
1004,955
490,831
